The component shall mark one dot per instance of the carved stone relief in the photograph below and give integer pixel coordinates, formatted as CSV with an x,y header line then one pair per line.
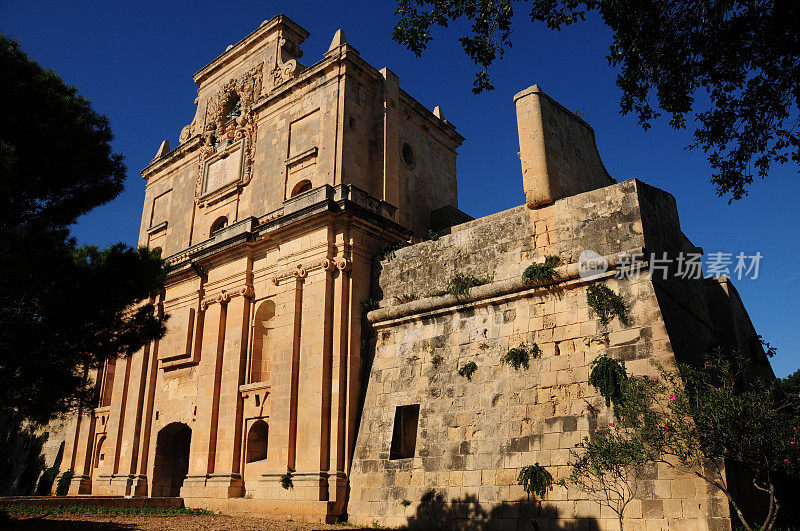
x,y
228,143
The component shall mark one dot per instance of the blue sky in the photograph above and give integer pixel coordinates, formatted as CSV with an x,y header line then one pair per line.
x,y
135,61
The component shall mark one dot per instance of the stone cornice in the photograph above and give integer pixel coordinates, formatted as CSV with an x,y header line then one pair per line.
x,y
324,199
496,292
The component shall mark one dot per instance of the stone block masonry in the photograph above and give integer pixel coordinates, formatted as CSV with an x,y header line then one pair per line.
x,y
284,187
474,435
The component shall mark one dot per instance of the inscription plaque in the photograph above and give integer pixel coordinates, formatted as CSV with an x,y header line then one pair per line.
x,y
223,171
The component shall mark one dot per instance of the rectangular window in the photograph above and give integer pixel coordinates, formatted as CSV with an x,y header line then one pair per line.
x,y
404,436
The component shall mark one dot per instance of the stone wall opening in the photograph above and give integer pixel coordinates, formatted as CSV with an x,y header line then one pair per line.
x,y
404,436
172,459
257,441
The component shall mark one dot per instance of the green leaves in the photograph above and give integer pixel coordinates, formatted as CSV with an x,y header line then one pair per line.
x,y
460,284
609,377
741,57
519,356
727,408
467,370
606,303
540,273
536,480
286,479
64,309
488,38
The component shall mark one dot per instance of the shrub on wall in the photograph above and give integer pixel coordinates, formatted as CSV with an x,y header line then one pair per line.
x,y
608,376
459,285
467,370
286,479
536,480
519,356
540,273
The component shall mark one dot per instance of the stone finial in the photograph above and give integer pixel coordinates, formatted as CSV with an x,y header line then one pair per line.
x,y
437,112
338,40
162,150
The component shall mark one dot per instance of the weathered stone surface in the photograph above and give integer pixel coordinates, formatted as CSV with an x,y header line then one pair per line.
x,y
286,185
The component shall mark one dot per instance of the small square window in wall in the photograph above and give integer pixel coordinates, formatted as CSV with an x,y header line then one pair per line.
x,y
404,436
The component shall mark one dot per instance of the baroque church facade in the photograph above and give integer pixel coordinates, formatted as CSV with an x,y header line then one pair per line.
x,y
300,355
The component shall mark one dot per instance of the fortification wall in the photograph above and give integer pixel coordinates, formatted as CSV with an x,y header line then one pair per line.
x,y
474,435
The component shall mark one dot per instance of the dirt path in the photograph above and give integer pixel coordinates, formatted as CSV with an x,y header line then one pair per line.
x,y
165,523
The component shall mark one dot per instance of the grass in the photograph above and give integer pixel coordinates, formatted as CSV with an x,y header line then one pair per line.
x,y
38,510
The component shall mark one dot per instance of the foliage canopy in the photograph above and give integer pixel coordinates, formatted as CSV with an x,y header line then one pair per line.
x,y
64,309
727,67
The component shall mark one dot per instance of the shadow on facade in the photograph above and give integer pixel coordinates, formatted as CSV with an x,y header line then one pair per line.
x,y
435,512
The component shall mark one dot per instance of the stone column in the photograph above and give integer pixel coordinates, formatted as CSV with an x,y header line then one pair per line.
x,y
340,380
203,443
129,428
115,427
140,483
226,475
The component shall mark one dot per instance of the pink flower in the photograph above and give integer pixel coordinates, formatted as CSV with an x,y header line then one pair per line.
x,y
705,364
655,379
785,460
611,424
672,397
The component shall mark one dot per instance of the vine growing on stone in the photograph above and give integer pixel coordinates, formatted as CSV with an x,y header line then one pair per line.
x,y
536,480
608,376
606,303
460,284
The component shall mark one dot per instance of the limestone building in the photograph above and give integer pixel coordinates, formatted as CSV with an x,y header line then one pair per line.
x,y
273,211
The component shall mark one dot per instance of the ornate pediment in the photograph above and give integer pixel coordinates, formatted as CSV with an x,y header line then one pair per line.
x,y
228,140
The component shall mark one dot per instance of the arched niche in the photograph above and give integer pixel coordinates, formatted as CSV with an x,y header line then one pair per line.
x,y
219,224
301,187
261,355
257,441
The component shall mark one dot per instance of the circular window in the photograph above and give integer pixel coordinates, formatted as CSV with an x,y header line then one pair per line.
x,y
408,155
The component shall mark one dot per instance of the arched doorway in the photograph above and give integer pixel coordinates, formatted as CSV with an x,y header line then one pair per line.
x,y
171,463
